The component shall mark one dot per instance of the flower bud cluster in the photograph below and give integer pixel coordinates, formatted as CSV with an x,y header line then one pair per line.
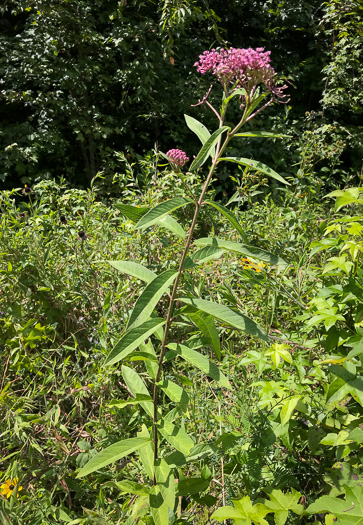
x,y
244,67
177,157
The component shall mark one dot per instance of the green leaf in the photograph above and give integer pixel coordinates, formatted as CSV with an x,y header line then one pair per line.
x,y
150,297
258,166
165,481
136,385
161,210
206,325
207,148
198,128
146,454
243,249
134,213
159,509
135,269
176,436
348,511
244,512
172,225
289,406
262,134
132,339
281,503
174,392
228,316
113,453
200,361
201,256
131,487
192,486
121,403
230,216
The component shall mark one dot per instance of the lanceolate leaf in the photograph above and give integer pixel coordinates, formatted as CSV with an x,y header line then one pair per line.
x,y
113,453
230,216
136,385
132,339
200,361
135,269
172,225
228,316
134,213
150,297
174,392
206,325
257,165
201,256
198,128
161,210
207,148
262,134
243,249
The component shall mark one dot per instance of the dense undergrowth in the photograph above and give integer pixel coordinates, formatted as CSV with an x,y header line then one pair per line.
x,y
282,445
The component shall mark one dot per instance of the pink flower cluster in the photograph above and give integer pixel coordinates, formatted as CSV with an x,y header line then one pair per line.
x,y
244,67
177,157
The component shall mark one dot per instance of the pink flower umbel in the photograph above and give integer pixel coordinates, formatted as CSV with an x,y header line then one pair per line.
x,y
244,68
177,157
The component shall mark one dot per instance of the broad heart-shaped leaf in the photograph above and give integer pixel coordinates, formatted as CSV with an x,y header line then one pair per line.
x,y
206,325
228,316
136,385
262,134
258,166
348,511
161,210
172,225
200,361
135,269
198,128
192,486
113,453
346,382
281,503
201,256
150,297
230,216
134,213
132,339
243,249
207,148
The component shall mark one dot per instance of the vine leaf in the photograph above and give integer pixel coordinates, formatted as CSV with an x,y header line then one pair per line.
x,y
161,210
228,316
348,511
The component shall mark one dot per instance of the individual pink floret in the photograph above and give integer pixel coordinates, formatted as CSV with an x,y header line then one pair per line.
x,y
177,157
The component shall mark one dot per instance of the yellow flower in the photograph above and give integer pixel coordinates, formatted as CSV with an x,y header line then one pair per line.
x,y
8,487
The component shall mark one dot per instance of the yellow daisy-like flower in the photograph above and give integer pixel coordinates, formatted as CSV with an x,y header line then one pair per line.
x,y
8,487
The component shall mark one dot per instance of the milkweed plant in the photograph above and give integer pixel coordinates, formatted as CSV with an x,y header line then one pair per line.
x,y
163,445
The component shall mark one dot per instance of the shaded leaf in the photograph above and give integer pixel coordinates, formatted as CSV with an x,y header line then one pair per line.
x,y
161,210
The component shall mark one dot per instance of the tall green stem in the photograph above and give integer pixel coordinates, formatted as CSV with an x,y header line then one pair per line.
x,y
219,150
